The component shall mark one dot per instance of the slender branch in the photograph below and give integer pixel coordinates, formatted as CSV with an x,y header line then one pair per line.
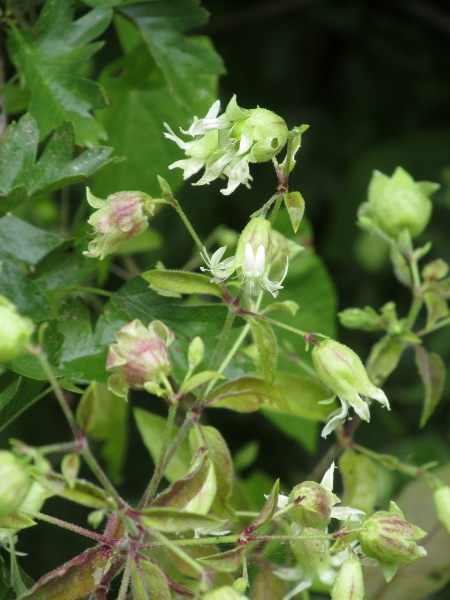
x,y
243,312
70,526
126,578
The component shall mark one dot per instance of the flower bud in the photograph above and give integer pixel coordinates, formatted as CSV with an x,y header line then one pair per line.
x,y
387,537
314,504
435,270
15,483
343,372
119,218
356,318
256,233
269,134
442,504
397,203
140,355
15,332
349,583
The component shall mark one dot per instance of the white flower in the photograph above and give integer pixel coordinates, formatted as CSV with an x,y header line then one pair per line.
x,y
254,273
226,144
220,270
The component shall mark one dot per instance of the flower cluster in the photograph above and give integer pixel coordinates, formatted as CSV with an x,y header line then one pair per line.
x,y
225,145
343,372
251,261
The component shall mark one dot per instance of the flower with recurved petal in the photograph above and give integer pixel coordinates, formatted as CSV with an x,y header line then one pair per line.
x,y
225,145
343,372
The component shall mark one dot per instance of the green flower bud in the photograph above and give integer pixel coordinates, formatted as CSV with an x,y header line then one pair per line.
x,y
349,583
356,318
269,134
256,233
343,372
15,483
387,537
119,218
140,356
397,203
435,270
314,504
15,332
442,504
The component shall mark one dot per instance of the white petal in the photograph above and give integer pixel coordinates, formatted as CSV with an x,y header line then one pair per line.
x,y
174,138
260,262
335,418
344,512
327,479
301,587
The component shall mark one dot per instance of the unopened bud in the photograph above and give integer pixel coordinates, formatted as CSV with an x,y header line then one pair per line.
x,y
314,504
349,583
387,537
442,504
14,485
269,133
397,203
256,233
140,356
119,218
15,331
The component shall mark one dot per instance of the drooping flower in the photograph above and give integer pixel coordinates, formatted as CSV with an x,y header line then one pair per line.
x,y
120,217
343,372
139,357
251,262
225,145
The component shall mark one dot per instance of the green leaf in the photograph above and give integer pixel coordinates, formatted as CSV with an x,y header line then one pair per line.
x,y
432,372
76,579
267,346
23,177
199,379
299,429
244,394
267,511
63,266
151,428
70,467
225,562
360,481
104,417
81,491
295,206
187,64
182,282
15,521
181,492
148,581
174,521
16,395
223,466
49,59
23,242
384,358
299,396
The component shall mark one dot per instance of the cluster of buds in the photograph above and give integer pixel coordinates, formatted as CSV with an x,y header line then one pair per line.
x,y
15,330
119,218
343,372
225,145
397,203
140,358
252,260
389,538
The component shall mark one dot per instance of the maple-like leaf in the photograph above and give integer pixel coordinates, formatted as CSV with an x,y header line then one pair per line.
x,y
49,59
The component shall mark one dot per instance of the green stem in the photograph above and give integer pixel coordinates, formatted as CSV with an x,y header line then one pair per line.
x,y
243,312
176,205
414,311
442,323
70,526
126,578
101,475
158,472
88,290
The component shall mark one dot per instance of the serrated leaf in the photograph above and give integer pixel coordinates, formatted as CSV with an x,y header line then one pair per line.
x,y
244,394
49,58
15,521
151,428
182,282
24,177
174,521
432,372
226,562
187,64
295,205
76,579
148,581
82,492
267,346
